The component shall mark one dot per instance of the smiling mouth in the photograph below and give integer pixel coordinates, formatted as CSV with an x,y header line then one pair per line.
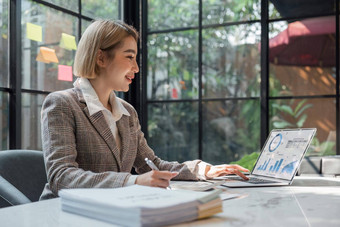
x,y
129,78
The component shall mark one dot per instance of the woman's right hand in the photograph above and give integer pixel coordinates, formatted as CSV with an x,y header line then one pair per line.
x,y
156,178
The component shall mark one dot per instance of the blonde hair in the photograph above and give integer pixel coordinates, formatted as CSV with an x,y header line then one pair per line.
x,y
105,35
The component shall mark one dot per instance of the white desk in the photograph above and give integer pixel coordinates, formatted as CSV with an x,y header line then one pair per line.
x,y
271,206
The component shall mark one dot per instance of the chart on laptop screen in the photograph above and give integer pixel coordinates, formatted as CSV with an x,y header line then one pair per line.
x,y
282,153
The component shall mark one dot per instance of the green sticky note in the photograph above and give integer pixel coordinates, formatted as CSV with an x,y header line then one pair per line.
x,y
34,32
68,42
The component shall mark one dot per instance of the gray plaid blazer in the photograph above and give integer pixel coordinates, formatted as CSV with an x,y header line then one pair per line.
x,y
80,150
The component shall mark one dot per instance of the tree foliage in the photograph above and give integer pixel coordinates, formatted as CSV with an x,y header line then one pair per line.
x,y
231,69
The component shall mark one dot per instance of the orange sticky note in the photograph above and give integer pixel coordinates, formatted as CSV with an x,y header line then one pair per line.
x,y
182,83
47,55
65,73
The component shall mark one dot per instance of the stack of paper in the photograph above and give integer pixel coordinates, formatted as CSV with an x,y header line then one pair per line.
x,y
140,205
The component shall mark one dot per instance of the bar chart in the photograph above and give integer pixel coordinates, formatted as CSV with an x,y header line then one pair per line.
x,y
264,165
273,168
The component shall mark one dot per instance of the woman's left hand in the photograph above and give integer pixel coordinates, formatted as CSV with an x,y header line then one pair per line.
x,y
222,170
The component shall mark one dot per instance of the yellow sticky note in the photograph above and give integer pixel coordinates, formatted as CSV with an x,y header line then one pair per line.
x,y
68,42
34,32
47,55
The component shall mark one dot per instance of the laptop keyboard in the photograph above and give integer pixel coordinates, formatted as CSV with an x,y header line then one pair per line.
x,y
259,181
252,180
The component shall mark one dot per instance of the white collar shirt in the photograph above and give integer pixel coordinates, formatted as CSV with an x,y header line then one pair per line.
x,y
94,105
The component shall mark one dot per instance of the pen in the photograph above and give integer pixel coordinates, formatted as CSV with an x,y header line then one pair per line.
x,y
153,166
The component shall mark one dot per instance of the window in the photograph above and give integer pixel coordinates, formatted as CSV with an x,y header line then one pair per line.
x,y
208,95
218,75
302,70
203,79
4,75
50,31
4,116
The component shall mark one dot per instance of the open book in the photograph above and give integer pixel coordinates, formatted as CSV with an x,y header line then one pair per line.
x,y
141,205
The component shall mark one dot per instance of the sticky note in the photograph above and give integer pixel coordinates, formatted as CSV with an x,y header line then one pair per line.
x,y
65,73
34,32
4,36
47,55
174,93
68,42
186,75
182,83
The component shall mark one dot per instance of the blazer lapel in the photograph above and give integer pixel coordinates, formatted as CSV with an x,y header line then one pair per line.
x,y
100,124
124,130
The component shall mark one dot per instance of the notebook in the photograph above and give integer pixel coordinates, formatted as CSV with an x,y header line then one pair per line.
x,y
279,160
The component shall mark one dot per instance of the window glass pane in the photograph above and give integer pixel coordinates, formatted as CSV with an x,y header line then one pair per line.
x,y
58,32
173,65
4,43
231,61
302,57
300,8
221,11
84,25
67,4
173,130
101,9
31,126
164,15
230,130
4,120
307,113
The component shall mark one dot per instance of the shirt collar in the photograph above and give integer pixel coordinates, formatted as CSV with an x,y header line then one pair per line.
x,y
93,103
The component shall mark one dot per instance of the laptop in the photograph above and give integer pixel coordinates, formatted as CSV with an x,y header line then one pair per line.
x,y
279,160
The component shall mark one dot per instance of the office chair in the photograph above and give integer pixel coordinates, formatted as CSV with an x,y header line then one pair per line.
x,y
22,176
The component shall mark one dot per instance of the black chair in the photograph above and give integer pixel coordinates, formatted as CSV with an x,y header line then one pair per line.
x,y
22,176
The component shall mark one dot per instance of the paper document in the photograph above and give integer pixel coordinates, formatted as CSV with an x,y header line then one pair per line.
x,y
194,185
226,196
140,205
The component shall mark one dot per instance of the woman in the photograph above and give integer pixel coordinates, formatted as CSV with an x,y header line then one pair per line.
x,y
91,138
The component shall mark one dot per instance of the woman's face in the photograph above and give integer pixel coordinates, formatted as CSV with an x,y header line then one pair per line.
x,y
119,71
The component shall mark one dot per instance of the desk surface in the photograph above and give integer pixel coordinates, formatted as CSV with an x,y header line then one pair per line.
x,y
265,206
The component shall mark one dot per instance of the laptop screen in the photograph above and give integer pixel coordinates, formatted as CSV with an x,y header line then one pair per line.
x,y
283,152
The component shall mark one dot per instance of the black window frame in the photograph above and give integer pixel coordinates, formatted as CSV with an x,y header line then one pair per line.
x,y
135,13
15,90
264,97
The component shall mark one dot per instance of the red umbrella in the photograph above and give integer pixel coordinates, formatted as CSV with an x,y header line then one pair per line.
x,y
309,42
